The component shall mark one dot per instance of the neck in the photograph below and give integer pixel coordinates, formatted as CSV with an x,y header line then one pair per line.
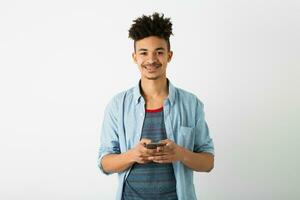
x,y
152,89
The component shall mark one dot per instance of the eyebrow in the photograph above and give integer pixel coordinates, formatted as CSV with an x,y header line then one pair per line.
x,y
159,48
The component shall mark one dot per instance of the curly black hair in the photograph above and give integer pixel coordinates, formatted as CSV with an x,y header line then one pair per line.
x,y
155,25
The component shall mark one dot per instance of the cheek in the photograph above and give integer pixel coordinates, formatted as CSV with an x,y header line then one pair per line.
x,y
139,62
140,65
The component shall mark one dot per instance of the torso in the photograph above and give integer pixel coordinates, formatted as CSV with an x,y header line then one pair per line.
x,y
151,180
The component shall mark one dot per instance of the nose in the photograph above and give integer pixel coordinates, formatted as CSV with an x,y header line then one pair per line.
x,y
152,58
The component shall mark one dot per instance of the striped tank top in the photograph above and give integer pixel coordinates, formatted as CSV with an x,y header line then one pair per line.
x,y
151,180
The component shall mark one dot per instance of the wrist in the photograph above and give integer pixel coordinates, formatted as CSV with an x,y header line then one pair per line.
x,y
130,156
182,154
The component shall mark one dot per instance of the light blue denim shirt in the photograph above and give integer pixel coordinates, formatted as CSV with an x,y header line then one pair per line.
x,y
184,122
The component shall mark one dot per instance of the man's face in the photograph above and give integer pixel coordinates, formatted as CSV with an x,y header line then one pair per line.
x,y
152,57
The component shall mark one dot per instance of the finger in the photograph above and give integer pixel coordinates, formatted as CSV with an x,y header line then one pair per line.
x,y
144,161
168,148
162,160
168,143
160,149
144,158
145,141
158,158
148,152
164,141
152,152
160,154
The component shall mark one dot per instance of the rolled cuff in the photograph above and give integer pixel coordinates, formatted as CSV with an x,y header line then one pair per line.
x,y
100,162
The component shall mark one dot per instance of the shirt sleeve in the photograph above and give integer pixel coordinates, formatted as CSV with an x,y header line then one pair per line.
x,y
109,140
203,141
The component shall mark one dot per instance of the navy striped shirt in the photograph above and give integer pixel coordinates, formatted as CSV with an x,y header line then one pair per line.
x,y
151,180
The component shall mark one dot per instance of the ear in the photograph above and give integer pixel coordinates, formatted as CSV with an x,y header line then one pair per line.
x,y
170,55
134,57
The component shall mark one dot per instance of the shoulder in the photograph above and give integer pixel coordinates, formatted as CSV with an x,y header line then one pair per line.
x,y
123,95
188,97
118,99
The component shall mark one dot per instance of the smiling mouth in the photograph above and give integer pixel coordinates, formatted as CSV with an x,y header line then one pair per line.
x,y
152,67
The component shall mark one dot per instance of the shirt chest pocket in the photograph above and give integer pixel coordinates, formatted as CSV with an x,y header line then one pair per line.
x,y
186,137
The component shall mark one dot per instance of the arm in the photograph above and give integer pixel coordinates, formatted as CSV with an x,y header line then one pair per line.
x,y
171,152
200,162
201,158
113,163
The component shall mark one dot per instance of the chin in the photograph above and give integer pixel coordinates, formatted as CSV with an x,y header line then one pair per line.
x,y
152,77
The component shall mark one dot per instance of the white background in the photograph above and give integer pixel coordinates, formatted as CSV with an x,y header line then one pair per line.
x,y
62,61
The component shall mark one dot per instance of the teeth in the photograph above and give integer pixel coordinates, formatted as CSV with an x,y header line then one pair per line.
x,y
151,67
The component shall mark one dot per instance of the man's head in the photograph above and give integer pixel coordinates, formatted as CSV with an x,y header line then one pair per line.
x,y
152,45
155,25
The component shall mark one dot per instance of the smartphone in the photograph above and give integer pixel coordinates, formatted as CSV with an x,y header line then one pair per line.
x,y
154,145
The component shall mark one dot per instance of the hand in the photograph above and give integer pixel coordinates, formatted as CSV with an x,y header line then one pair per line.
x,y
169,153
140,153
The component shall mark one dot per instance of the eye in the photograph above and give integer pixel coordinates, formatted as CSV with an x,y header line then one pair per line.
x,y
143,53
160,52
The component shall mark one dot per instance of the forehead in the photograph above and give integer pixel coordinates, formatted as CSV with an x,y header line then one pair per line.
x,y
151,43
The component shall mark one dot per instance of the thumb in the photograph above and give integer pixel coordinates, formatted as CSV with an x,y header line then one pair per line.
x,y
145,141
166,141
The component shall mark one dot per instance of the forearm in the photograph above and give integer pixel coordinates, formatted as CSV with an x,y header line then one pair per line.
x,y
114,163
201,162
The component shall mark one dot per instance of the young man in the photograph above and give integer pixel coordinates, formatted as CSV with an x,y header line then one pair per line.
x,y
155,111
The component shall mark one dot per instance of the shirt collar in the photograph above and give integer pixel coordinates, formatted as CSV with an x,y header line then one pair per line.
x,y
137,96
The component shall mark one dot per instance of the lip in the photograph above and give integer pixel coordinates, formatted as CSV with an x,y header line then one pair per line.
x,y
151,69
